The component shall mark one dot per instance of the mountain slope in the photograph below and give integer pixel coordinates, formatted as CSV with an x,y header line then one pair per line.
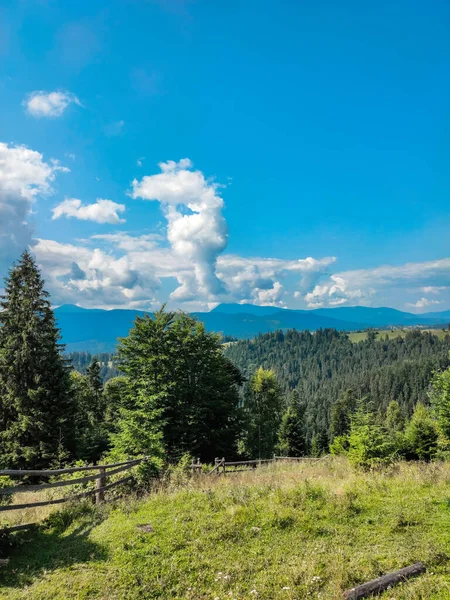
x,y
97,330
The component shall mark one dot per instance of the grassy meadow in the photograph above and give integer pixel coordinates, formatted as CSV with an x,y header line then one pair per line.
x,y
359,336
284,531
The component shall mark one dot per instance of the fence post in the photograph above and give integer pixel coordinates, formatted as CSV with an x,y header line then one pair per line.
x,y
100,483
224,467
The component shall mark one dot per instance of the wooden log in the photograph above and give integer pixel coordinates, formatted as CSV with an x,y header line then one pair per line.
x,y
46,486
376,586
51,472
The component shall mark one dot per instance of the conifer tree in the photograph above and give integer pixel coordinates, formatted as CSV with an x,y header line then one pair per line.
x,y
341,413
95,384
291,435
440,399
36,405
421,434
92,431
264,404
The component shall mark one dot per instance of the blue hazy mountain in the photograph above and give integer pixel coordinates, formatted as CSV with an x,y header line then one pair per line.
x,y
97,330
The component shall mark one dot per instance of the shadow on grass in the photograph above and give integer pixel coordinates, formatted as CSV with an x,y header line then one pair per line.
x,y
42,550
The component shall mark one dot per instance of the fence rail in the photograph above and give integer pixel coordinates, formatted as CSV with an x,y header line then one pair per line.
x,y
100,478
220,464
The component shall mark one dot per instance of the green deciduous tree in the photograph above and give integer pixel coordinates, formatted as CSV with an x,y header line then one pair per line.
x,y
36,402
179,377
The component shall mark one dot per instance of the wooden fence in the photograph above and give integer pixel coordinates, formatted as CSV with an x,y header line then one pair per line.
x,y
100,479
220,464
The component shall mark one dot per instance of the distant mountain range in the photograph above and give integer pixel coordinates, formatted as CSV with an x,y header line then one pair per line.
x,y
97,330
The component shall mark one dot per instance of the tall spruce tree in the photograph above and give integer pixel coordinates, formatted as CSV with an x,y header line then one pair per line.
x,y
291,435
36,405
91,429
263,404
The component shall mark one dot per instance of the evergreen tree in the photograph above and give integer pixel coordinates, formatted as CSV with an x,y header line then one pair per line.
x,y
92,433
95,384
395,421
319,444
36,405
115,394
368,442
291,436
341,413
421,434
264,404
440,399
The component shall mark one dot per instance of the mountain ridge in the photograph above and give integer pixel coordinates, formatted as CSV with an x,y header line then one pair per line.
x,y
97,330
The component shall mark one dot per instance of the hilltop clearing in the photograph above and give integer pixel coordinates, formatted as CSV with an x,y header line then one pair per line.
x,y
282,532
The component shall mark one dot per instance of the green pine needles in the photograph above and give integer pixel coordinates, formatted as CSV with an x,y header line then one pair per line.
x,y
36,402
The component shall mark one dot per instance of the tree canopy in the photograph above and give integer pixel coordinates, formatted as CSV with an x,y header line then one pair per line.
x,y
36,401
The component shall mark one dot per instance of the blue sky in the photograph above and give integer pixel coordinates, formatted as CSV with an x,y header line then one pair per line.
x,y
317,135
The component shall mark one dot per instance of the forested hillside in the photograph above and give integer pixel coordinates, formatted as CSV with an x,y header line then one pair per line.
x,y
321,366
107,361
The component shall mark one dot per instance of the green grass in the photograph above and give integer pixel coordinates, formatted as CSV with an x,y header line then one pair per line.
x,y
287,531
359,336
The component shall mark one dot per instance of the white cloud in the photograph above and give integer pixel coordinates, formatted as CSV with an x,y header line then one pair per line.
x,y
433,289
423,303
49,104
251,279
130,243
140,161
364,286
93,277
24,175
197,230
101,211
121,269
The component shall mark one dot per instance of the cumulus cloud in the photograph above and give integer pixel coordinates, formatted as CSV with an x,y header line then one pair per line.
x,y
101,211
433,289
24,176
363,286
423,303
49,104
130,243
197,230
93,277
256,280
